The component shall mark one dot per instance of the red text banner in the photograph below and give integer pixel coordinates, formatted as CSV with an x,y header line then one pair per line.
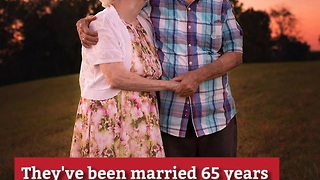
x,y
147,168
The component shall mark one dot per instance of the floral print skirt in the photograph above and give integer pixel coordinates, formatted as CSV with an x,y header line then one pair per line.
x,y
126,125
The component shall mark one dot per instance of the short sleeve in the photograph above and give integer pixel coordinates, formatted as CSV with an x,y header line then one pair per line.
x,y
232,32
108,49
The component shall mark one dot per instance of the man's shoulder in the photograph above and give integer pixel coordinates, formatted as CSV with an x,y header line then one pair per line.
x,y
146,10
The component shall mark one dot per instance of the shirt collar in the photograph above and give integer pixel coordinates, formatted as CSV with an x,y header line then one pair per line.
x,y
185,3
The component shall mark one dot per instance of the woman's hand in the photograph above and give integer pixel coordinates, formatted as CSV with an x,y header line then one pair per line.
x,y
87,36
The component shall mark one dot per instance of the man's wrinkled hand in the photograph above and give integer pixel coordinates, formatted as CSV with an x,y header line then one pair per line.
x,y
87,36
189,83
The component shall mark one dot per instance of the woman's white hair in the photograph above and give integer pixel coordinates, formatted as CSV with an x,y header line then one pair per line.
x,y
106,3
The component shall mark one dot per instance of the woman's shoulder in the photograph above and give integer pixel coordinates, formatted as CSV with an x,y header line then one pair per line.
x,y
109,11
106,18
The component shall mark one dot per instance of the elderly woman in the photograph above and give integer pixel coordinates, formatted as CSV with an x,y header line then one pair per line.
x,y
118,113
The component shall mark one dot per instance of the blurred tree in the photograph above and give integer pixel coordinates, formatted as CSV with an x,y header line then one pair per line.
x,y
55,39
289,48
237,7
285,22
256,35
40,39
296,50
287,43
10,38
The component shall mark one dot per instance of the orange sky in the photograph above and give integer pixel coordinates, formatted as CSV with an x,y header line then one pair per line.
x,y
306,11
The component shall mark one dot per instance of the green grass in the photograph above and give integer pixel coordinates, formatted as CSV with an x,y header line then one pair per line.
x,y
278,116
36,120
278,111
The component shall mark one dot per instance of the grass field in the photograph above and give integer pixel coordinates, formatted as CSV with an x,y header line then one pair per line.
x,y
278,116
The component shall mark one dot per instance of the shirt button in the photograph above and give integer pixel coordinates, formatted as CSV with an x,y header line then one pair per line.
x,y
189,45
189,8
190,63
189,27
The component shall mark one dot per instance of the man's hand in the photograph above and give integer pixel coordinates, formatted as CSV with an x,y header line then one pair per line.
x,y
87,36
191,80
189,83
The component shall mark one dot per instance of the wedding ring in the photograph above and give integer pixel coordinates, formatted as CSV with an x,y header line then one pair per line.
x,y
83,38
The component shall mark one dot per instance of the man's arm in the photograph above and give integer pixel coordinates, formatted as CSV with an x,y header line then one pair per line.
x,y
191,80
86,36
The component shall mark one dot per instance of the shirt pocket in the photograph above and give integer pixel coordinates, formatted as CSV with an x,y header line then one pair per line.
x,y
216,35
217,30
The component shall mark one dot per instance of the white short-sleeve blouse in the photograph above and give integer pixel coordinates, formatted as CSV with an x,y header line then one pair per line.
x,y
114,45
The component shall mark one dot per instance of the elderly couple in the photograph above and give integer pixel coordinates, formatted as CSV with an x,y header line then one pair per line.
x,y
195,44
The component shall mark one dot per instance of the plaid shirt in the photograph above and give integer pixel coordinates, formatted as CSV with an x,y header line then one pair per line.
x,y
189,37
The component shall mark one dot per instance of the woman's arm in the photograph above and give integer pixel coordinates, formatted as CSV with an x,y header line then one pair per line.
x,y
119,78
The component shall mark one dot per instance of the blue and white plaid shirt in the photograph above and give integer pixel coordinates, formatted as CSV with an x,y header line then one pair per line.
x,y
189,37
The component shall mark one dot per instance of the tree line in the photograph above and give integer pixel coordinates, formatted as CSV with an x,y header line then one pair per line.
x,y
38,38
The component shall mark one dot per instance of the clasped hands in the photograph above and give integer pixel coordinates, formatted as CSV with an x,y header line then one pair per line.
x,y
189,83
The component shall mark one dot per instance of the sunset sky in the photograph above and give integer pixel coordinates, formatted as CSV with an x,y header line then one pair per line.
x,y
307,13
